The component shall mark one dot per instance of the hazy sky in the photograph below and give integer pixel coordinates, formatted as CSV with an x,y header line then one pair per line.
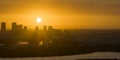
x,y
102,14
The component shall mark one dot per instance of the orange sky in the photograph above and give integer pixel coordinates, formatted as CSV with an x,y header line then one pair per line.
x,y
100,14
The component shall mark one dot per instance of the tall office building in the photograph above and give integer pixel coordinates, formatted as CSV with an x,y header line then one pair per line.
x,y
3,26
45,28
19,27
14,26
50,28
25,28
36,28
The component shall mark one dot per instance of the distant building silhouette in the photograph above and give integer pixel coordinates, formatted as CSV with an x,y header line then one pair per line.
x,y
14,26
50,28
3,26
45,28
25,28
19,27
36,28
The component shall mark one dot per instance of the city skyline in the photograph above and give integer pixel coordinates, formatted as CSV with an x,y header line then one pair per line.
x,y
20,27
37,29
63,14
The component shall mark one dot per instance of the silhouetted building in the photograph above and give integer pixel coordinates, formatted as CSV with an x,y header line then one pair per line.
x,y
3,26
25,28
36,28
50,28
45,28
19,27
14,26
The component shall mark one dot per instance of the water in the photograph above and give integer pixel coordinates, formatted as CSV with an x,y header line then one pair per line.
x,y
96,55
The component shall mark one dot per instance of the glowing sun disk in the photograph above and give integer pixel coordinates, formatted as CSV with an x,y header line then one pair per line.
x,y
39,20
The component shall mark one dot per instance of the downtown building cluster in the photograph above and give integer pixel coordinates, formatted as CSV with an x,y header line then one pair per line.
x,y
14,25
20,27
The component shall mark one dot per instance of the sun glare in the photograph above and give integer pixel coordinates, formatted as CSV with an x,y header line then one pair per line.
x,y
38,20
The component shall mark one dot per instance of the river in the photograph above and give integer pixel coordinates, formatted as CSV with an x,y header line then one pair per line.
x,y
95,55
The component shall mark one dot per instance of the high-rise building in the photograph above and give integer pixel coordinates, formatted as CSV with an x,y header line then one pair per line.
x,y
14,26
45,28
3,26
50,28
36,28
25,28
19,27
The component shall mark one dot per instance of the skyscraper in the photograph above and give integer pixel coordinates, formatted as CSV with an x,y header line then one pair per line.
x,y
45,28
19,27
3,26
14,26
50,28
25,28
36,28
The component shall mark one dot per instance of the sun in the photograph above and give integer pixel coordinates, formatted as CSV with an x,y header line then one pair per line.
x,y
38,19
